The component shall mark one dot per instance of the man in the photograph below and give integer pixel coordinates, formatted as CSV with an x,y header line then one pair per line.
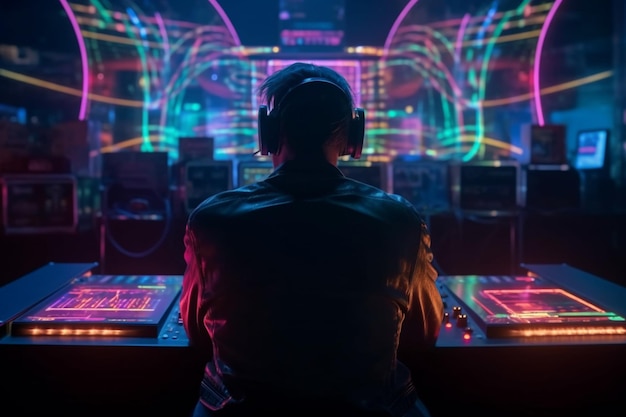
x,y
302,284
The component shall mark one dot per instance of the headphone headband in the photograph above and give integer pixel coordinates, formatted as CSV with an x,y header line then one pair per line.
x,y
269,124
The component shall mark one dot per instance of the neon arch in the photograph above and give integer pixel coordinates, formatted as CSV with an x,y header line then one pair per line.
x,y
227,22
537,63
396,25
82,112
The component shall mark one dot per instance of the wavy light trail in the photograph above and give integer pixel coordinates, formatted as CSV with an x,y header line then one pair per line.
x,y
396,25
537,64
82,112
226,20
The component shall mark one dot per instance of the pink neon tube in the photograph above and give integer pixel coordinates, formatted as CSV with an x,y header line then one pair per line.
x,y
82,113
396,25
227,22
537,64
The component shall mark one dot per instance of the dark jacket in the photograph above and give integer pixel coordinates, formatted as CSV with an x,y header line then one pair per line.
x,y
301,284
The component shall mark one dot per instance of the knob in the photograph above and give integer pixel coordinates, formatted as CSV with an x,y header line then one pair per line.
x,y
461,320
456,310
467,333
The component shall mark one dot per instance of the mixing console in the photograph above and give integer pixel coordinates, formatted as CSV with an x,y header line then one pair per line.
x,y
512,310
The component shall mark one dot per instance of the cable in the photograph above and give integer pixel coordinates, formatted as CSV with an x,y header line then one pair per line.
x,y
166,229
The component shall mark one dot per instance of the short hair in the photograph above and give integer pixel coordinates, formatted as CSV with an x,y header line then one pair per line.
x,y
318,122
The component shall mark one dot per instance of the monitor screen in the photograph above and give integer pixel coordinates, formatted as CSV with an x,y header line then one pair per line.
x,y
424,183
249,172
348,68
195,148
204,179
312,25
38,203
591,149
137,171
547,145
492,186
372,173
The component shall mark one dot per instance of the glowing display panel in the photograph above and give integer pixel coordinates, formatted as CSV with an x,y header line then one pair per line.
x,y
592,149
104,305
509,306
349,69
249,172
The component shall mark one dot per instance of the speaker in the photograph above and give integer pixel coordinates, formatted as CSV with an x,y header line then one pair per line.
x,y
269,122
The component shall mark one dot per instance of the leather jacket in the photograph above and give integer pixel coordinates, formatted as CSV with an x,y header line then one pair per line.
x,y
301,285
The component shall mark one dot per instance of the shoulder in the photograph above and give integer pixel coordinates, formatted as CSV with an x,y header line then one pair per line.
x,y
227,203
390,205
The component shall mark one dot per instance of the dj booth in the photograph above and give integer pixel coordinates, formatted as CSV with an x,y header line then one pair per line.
x,y
549,342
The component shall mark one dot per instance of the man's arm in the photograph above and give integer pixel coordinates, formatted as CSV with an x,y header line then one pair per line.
x,y
423,320
192,308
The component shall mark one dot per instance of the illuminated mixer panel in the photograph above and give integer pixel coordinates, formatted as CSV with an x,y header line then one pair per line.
x,y
113,306
483,309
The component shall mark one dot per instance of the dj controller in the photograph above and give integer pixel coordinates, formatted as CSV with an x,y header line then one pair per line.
x,y
549,342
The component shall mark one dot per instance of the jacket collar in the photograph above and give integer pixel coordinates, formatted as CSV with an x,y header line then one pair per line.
x,y
316,169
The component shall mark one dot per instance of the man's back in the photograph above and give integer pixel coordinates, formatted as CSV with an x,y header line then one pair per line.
x,y
302,282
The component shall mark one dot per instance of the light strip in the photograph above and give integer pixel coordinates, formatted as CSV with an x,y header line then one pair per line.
x,y
567,331
396,25
537,63
82,112
227,22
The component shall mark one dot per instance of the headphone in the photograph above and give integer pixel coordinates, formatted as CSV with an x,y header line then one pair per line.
x,y
269,123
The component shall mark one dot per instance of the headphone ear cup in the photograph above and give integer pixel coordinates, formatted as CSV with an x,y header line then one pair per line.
x,y
356,134
267,132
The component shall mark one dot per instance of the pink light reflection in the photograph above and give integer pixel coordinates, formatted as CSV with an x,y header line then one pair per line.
x,y
396,25
227,22
537,64
82,112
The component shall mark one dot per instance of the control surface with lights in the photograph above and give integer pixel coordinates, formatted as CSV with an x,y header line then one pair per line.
x,y
104,305
505,309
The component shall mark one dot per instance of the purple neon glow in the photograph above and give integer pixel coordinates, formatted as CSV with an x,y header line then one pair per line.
x,y
227,22
82,112
537,64
459,37
396,25
457,60
166,41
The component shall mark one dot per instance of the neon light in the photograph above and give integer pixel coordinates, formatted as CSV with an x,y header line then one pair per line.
x,y
550,90
459,37
227,22
82,112
537,63
457,61
396,25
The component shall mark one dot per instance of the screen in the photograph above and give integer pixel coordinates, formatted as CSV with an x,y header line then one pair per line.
x,y
372,173
206,179
547,144
39,203
424,183
505,306
348,69
249,172
194,148
488,187
104,305
591,149
311,24
136,171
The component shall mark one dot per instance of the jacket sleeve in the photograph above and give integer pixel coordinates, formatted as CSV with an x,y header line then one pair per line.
x,y
192,307
423,320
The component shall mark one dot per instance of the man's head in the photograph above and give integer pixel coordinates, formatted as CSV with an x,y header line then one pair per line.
x,y
312,115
